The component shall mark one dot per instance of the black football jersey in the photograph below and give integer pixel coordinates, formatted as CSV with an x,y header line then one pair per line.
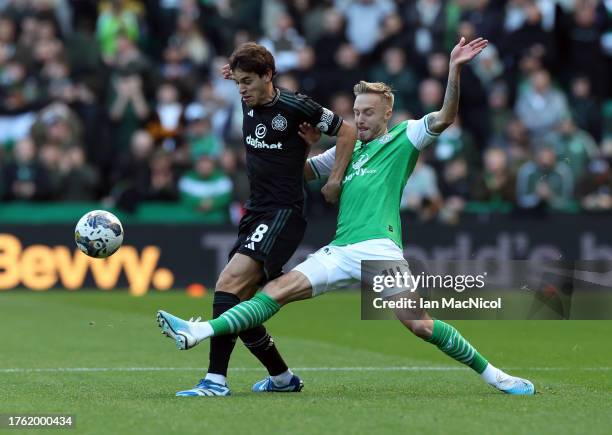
x,y
275,153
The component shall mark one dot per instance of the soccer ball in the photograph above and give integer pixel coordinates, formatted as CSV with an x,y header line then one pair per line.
x,y
98,234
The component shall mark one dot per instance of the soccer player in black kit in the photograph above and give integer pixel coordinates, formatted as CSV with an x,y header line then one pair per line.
x,y
273,226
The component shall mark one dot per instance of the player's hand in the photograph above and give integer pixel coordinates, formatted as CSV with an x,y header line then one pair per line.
x,y
226,72
309,133
464,52
331,191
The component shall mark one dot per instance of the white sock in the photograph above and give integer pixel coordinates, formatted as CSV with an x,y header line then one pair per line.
x,y
201,330
493,376
282,379
219,379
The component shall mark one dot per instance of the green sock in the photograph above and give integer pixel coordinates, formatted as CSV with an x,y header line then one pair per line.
x,y
245,315
454,345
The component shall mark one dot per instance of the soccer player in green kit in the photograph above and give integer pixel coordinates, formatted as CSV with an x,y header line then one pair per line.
x,y
368,227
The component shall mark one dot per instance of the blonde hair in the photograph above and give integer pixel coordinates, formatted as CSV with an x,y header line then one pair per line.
x,y
379,88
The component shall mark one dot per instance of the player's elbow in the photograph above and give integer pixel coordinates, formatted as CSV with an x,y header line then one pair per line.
x,y
440,123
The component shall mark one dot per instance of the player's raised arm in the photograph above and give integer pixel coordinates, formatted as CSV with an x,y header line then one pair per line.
x,y
462,53
347,136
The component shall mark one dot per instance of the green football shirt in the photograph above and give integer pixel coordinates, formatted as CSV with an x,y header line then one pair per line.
x,y
374,181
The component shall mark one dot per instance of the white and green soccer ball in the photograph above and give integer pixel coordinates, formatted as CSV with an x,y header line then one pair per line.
x,y
98,234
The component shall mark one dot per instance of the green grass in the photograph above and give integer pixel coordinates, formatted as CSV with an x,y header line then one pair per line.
x,y
569,362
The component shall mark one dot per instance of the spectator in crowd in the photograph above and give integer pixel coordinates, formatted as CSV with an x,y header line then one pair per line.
x,y
128,108
499,110
396,73
192,43
575,147
79,180
585,108
545,182
284,43
308,77
166,121
581,33
162,182
199,133
488,66
346,71
595,188
517,143
216,106
116,19
430,97
541,107
50,155
421,194
24,177
456,188
363,21
341,103
330,40
455,142
426,21
206,188
233,163
58,125
393,34
132,174
496,182
177,68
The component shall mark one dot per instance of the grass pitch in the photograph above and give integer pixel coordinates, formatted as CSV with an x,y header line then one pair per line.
x,y
360,376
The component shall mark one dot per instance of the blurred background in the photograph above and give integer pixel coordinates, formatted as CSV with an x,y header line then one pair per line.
x,y
119,105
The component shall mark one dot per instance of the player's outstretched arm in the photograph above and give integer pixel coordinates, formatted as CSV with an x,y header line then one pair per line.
x,y
347,136
462,53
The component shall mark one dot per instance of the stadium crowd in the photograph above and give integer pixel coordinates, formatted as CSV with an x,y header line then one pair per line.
x,y
122,100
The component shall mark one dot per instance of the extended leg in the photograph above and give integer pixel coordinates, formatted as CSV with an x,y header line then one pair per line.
x,y
452,343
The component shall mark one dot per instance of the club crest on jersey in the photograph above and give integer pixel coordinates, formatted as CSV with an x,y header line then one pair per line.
x,y
385,138
260,131
279,123
326,120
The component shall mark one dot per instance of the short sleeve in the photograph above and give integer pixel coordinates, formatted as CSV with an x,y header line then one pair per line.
x,y
322,164
418,133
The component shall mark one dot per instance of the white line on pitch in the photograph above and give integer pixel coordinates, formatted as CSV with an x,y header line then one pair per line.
x,y
302,369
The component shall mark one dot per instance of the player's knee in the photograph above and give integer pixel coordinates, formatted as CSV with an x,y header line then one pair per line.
x,y
420,328
288,288
231,282
277,290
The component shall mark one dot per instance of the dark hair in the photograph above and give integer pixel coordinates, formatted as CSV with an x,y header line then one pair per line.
x,y
252,58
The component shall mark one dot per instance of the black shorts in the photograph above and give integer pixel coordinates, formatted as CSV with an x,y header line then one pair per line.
x,y
270,237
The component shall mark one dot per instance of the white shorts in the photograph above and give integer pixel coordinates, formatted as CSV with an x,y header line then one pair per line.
x,y
334,267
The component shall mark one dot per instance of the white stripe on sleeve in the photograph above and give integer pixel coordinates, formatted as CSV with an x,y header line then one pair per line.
x,y
323,163
418,133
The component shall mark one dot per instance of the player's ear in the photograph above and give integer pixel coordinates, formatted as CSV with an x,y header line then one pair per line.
x,y
268,77
388,113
